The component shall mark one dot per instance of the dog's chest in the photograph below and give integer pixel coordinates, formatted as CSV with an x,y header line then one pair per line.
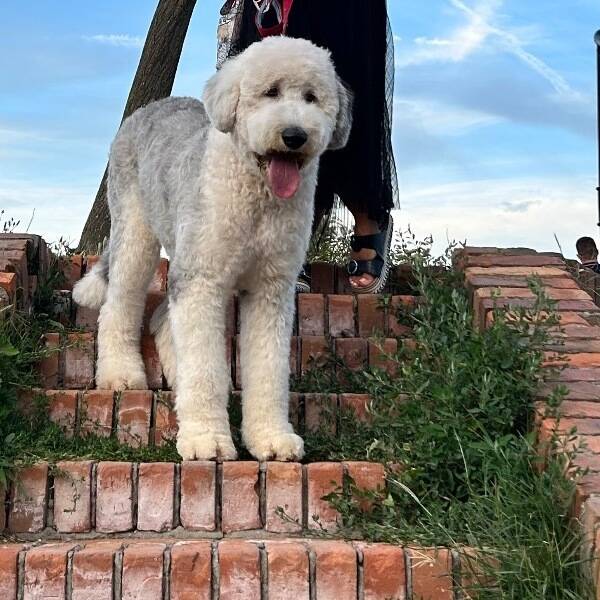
x,y
265,227
246,214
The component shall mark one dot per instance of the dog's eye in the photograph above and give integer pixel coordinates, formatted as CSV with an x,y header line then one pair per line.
x,y
310,97
272,92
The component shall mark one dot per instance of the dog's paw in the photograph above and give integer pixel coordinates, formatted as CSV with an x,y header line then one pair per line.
x,y
121,377
283,446
205,446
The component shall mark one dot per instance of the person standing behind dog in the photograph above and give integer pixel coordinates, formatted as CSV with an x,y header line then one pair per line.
x,y
587,253
363,174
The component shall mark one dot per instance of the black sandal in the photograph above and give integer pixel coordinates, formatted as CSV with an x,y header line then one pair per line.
x,y
303,281
379,266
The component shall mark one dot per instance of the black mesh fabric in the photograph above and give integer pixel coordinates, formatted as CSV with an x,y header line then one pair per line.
x,y
359,36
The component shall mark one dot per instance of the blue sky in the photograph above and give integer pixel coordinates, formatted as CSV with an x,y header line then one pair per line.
x,y
494,130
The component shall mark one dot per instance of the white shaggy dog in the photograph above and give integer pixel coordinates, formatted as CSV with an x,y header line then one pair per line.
x,y
231,201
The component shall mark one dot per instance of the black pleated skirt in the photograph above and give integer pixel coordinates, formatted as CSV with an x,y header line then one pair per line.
x,y
358,34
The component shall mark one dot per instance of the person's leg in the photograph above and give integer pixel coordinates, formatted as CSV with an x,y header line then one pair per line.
x,y
362,173
363,225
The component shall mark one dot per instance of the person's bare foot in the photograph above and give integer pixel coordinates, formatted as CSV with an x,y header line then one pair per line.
x,y
363,226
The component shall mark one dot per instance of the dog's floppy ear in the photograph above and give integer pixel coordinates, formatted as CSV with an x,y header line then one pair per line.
x,y
221,96
343,125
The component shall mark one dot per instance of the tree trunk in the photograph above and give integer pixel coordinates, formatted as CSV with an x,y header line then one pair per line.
x,y
153,80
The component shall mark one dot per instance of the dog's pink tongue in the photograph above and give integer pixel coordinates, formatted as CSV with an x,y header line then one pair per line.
x,y
284,176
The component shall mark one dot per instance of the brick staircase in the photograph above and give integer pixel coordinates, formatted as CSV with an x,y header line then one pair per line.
x,y
100,529
358,330
243,530
498,278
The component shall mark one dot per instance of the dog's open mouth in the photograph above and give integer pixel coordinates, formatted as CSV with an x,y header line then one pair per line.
x,y
283,172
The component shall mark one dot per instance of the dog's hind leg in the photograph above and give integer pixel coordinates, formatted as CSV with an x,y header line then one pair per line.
x,y
134,255
160,328
266,328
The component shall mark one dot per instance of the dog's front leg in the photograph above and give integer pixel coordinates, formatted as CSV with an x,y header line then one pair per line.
x,y
197,312
266,329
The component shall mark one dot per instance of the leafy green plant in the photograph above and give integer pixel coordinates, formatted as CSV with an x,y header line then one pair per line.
x,y
29,436
457,424
330,243
8,223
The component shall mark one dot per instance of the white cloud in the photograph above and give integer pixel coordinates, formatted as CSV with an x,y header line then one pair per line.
x,y
462,42
514,45
11,135
438,118
466,40
112,39
60,210
423,41
500,212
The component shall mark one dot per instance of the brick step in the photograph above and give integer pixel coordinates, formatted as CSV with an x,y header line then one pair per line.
x,y
141,418
332,315
498,277
326,278
323,312
360,330
176,569
74,366
205,498
24,261
497,280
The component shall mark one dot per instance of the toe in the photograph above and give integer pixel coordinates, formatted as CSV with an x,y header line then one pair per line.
x,y
361,281
289,447
206,446
124,376
225,448
281,447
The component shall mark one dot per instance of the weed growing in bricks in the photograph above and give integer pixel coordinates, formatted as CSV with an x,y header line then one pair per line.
x,y
331,243
29,436
32,437
330,376
44,298
21,347
8,223
455,425
20,351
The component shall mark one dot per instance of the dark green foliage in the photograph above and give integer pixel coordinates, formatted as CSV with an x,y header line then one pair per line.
x,y
458,419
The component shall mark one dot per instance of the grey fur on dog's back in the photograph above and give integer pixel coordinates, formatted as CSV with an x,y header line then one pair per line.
x,y
147,153
157,146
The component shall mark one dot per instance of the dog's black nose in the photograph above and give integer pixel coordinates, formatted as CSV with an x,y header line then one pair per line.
x,y
294,137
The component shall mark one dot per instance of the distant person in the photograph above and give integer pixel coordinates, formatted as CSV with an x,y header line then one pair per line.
x,y
587,253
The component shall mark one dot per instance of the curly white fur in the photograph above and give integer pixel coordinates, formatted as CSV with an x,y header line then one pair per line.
x,y
91,290
200,189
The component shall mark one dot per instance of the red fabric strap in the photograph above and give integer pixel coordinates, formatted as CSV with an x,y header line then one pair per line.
x,y
281,27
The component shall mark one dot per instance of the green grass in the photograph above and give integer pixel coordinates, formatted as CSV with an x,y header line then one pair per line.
x,y
25,439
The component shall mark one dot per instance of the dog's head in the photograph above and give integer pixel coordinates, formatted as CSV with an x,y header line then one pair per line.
x,y
283,102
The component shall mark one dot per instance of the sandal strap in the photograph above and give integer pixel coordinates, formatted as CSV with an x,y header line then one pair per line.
x,y
375,241
374,266
360,267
